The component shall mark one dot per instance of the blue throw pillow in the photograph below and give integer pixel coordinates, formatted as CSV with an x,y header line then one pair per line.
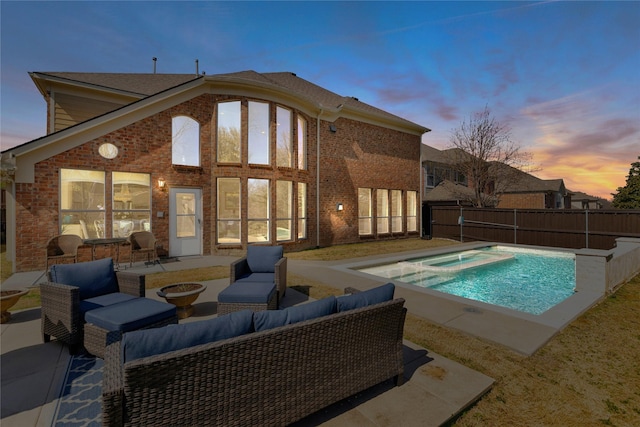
x,y
94,278
263,259
270,319
362,299
148,342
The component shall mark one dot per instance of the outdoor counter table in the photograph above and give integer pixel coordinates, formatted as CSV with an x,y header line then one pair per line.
x,y
115,241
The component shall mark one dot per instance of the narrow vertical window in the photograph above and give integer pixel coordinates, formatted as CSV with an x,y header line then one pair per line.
x,y
82,195
131,203
259,133
364,211
382,211
412,211
302,143
396,211
284,209
185,141
284,147
228,225
229,132
302,210
258,218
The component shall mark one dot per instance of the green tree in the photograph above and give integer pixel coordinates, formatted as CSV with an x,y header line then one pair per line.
x,y
628,197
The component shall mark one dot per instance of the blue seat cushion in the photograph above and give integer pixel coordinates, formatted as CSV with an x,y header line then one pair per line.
x,y
103,301
94,278
362,299
248,292
258,277
130,315
263,259
263,320
147,342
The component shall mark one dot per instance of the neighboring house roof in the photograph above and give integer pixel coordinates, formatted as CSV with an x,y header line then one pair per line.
x,y
446,156
579,197
516,181
448,191
432,154
523,182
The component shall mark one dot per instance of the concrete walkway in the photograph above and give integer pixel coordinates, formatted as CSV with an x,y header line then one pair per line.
x,y
435,391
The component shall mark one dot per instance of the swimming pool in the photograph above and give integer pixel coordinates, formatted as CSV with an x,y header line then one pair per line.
x,y
522,279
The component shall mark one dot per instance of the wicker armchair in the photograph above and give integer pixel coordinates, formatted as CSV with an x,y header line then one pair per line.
x,y
64,304
63,247
143,242
257,262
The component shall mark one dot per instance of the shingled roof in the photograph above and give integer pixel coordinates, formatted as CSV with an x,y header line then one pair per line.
x,y
137,84
143,85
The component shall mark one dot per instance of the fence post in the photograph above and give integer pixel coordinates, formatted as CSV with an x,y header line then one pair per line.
x,y
515,226
461,222
586,232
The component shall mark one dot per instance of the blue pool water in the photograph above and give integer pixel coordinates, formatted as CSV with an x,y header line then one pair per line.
x,y
527,280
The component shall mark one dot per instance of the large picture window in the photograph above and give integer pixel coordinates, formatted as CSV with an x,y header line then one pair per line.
x,y
131,203
396,211
82,197
284,147
228,224
412,211
364,211
284,209
259,133
258,219
229,132
302,210
185,145
382,211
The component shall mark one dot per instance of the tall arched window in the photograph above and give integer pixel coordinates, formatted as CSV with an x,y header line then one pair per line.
x,y
185,146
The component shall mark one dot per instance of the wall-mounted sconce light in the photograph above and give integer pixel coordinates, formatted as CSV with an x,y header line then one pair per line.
x,y
332,128
339,207
162,184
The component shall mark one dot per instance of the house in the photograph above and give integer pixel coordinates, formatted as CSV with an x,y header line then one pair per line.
x,y
525,191
210,164
581,200
517,189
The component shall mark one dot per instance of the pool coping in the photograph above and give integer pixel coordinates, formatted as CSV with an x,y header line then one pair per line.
x,y
522,332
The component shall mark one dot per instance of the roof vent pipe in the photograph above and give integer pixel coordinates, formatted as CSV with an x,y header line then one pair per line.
x,y
197,71
154,64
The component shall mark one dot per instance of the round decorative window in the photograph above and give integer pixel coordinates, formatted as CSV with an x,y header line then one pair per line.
x,y
108,150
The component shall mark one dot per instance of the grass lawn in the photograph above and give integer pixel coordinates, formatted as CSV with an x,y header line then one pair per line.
x,y
587,375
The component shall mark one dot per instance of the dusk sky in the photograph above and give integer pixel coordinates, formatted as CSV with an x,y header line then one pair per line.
x,y
565,76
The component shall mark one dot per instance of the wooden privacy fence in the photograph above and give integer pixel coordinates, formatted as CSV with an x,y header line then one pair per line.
x,y
570,228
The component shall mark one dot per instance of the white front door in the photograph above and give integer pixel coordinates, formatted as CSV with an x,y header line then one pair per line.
x,y
185,221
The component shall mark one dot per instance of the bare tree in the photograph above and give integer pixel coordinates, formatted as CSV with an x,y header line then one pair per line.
x,y
483,151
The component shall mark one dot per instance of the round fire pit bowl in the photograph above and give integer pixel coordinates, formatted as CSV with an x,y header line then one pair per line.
x,y
8,299
182,295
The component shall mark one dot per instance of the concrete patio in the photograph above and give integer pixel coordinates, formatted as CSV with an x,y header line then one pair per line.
x,y
436,389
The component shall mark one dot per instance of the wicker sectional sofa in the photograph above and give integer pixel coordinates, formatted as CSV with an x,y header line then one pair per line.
x,y
274,376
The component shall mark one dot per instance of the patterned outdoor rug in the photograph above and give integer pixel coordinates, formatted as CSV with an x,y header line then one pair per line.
x,y
80,403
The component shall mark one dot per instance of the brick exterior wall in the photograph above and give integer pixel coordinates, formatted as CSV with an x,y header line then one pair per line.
x,y
356,155
359,155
